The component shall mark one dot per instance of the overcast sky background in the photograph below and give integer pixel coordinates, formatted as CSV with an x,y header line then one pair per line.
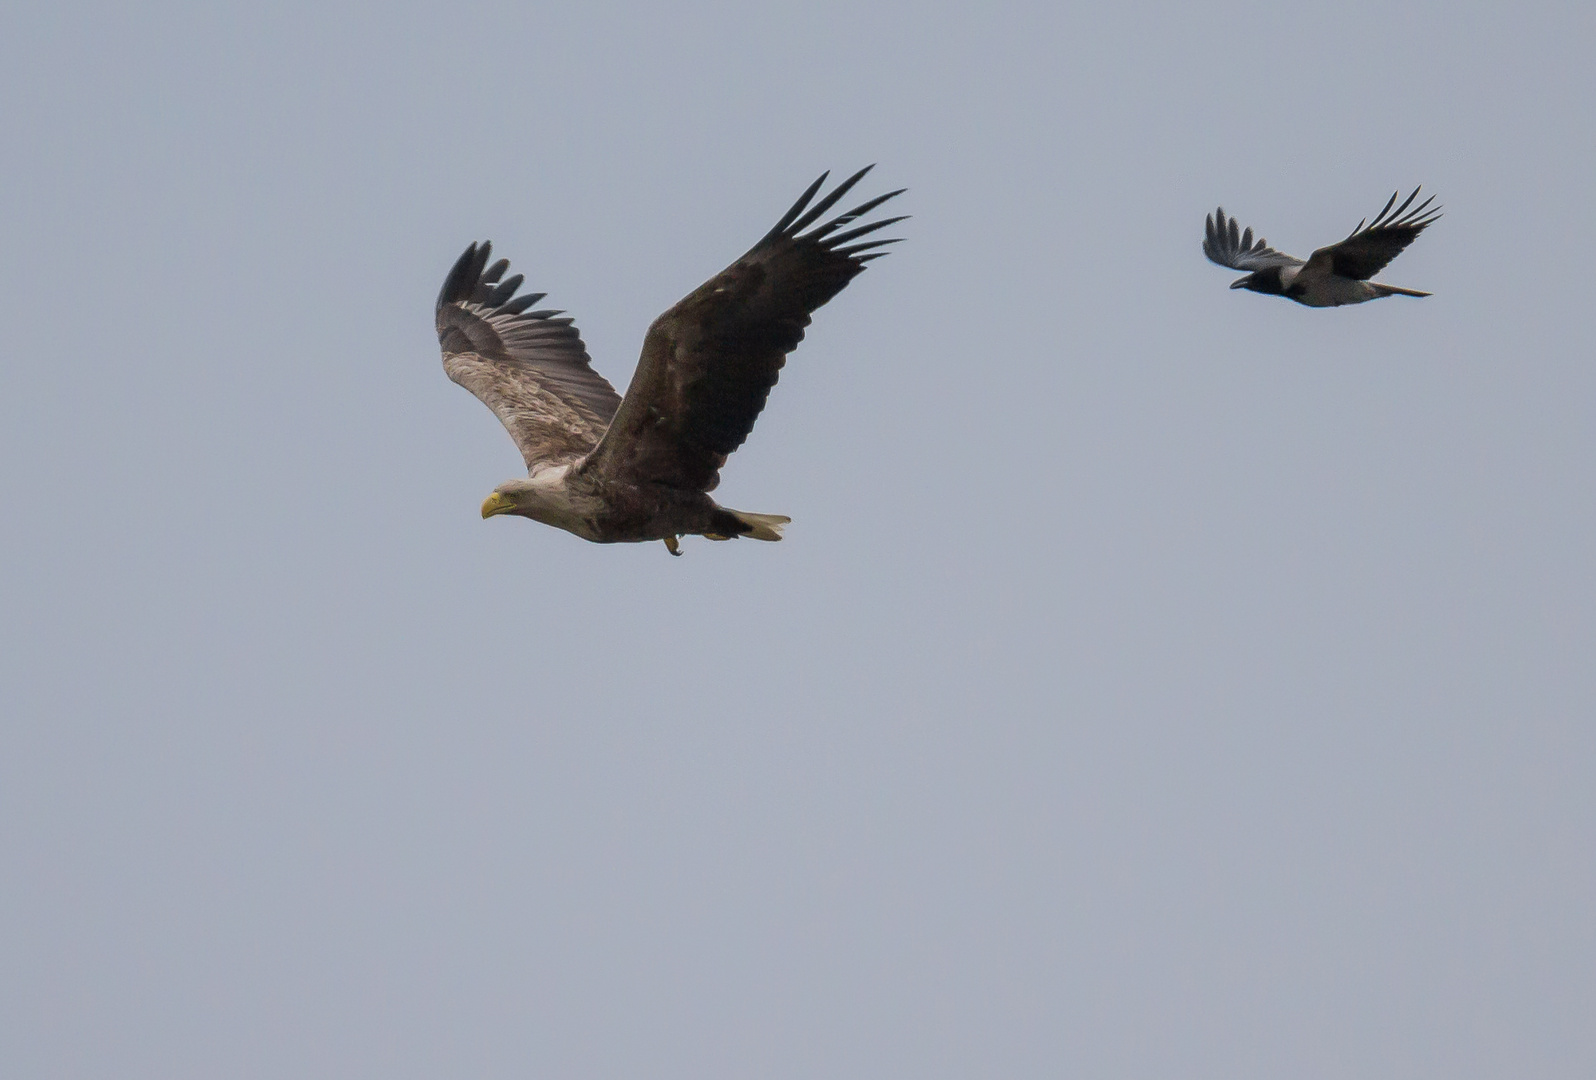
x,y
1155,681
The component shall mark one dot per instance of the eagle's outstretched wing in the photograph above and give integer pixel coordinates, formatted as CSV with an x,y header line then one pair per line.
x,y
1227,245
1365,251
529,367
709,362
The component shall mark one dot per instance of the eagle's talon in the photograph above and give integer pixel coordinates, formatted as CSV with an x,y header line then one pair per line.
x,y
672,546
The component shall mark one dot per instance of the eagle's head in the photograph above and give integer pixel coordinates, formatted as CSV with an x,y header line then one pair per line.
x,y
510,497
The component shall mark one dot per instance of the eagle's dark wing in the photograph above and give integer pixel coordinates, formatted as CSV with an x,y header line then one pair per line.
x,y
1227,245
1365,251
529,367
709,362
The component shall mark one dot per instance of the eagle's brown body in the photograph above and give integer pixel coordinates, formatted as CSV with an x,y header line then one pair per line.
x,y
611,512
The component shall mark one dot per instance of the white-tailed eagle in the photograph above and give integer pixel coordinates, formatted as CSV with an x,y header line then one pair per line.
x,y
1332,276
613,469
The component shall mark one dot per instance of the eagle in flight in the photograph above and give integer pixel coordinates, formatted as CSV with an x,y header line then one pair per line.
x,y
1332,276
613,469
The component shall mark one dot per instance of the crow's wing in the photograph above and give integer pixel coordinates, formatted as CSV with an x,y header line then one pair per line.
x,y
1227,245
1367,250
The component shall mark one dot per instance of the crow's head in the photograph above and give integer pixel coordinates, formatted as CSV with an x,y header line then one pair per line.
x,y
1264,281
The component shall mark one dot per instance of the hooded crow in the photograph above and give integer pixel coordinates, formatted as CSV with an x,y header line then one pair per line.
x,y
1332,276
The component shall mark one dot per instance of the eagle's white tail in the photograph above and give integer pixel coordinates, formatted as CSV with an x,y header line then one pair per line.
x,y
1387,290
761,526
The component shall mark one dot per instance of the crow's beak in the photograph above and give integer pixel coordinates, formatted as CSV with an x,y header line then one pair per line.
x,y
1241,283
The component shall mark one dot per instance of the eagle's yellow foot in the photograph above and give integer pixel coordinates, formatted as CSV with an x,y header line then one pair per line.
x,y
715,536
672,546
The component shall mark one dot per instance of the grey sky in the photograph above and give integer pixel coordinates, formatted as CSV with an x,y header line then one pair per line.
x,y
1155,681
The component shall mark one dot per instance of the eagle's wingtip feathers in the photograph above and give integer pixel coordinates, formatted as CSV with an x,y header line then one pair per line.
x,y
465,273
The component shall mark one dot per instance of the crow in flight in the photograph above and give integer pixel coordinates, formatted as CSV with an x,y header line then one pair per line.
x,y
1332,276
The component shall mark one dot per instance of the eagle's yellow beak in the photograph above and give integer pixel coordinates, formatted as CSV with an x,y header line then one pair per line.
x,y
496,504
